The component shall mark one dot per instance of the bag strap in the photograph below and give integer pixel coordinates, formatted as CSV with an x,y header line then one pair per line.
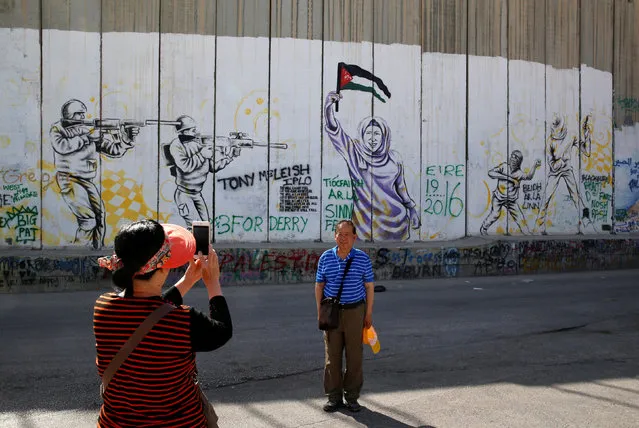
x,y
341,286
133,341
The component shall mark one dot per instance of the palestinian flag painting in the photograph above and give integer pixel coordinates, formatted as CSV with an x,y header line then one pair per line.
x,y
353,77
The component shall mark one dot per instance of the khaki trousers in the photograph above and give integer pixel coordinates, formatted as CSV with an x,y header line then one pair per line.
x,y
347,337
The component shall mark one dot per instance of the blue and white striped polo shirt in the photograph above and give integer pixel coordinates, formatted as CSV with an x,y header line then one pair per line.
x,y
330,270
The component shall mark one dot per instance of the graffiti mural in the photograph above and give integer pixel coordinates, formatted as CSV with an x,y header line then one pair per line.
x,y
506,194
382,206
627,204
560,168
433,153
190,158
77,144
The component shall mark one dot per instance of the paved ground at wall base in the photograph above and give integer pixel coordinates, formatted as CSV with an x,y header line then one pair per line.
x,y
295,262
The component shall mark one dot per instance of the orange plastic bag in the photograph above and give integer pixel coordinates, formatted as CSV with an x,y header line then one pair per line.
x,y
369,337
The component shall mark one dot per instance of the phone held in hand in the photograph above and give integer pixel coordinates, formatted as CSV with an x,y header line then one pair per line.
x,y
202,232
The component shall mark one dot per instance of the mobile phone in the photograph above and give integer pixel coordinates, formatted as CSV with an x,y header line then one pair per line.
x,y
202,232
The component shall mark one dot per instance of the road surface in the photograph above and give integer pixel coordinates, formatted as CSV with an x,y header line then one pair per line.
x,y
557,350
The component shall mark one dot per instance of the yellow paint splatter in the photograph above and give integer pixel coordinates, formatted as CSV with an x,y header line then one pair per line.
x,y
500,230
5,141
31,147
92,99
89,116
247,111
260,101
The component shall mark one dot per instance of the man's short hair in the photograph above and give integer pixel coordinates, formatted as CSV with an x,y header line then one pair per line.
x,y
347,222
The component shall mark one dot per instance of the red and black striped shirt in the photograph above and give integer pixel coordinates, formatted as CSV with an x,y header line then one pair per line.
x,y
155,386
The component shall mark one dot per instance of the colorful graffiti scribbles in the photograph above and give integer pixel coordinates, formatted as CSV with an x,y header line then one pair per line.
x,y
506,194
558,157
77,144
388,211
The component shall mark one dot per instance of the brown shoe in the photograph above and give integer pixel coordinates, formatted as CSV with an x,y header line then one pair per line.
x,y
353,406
332,406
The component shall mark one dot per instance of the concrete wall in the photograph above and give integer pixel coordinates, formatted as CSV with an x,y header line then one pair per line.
x,y
476,87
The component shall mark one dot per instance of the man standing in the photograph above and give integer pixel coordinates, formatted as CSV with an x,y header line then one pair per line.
x,y
76,151
356,312
509,176
190,157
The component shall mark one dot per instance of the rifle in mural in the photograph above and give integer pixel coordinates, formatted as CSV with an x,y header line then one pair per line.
x,y
241,140
106,124
235,140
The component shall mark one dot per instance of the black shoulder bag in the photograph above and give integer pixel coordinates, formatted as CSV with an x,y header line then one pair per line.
x,y
329,306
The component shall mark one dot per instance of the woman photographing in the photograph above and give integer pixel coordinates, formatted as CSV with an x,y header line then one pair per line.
x,y
156,383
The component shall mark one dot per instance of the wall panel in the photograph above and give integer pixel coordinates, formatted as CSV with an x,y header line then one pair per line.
x,y
596,105
487,129
295,175
394,162
130,97
187,108
21,177
526,114
626,116
444,106
242,87
346,180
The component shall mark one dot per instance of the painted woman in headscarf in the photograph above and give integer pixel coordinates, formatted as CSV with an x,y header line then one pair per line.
x,y
383,202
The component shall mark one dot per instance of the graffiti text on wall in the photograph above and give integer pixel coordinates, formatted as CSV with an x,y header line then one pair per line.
x,y
341,195
631,104
597,196
442,197
627,217
17,215
633,171
232,223
532,196
290,176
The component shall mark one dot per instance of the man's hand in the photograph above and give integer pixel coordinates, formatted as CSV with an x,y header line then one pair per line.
x,y
537,163
368,320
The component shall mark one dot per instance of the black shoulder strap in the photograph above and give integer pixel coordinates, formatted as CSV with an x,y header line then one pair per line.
x,y
341,286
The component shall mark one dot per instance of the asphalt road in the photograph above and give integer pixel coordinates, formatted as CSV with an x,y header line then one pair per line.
x,y
533,351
